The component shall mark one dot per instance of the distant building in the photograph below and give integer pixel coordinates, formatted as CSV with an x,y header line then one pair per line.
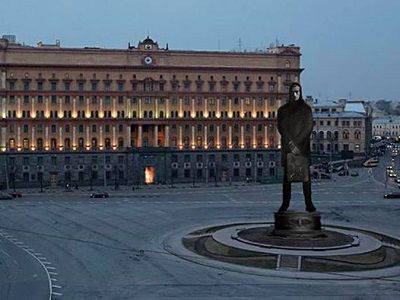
x,y
386,127
341,125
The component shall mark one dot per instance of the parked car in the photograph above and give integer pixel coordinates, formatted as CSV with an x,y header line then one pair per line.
x,y
392,195
16,194
355,173
4,196
99,195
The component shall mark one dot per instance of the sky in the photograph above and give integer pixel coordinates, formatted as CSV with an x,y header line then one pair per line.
x,y
350,48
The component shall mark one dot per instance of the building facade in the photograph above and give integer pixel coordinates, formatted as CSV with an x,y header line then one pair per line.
x,y
387,127
140,115
341,126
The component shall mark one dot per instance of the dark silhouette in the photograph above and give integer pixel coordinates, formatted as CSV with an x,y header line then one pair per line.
x,y
295,126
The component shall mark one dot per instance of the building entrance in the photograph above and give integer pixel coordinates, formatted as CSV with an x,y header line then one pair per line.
x,y
149,173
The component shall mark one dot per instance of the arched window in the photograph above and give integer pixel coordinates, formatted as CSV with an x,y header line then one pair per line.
x,y
336,134
67,144
211,142
199,142
186,142
328,135
357,134
174,142
11,144
223,142
94,143
314,134
235,141
345,135
39,144
248,142
81,143
259,141
120,142
25,144
150,114
321,135
161,114
53,144
107,143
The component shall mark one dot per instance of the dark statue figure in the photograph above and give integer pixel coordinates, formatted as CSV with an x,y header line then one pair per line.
x,y
295,124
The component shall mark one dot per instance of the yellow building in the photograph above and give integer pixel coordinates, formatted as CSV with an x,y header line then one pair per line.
x,y
141,114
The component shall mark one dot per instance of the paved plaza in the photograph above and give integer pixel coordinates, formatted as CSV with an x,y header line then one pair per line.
x,y
75,247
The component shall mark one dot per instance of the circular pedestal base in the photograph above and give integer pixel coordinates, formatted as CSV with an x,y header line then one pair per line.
x,y
296,224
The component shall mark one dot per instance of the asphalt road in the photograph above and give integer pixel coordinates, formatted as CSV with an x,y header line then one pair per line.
x,y
112,248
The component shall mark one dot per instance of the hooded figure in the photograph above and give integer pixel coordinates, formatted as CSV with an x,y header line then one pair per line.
x,y
295,124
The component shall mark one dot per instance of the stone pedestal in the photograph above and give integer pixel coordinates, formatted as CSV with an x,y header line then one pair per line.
x,y
298,224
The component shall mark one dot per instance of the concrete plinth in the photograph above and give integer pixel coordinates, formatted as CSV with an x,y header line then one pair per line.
x,y
298,224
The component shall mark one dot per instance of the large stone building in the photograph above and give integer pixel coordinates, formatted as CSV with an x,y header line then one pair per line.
x,y
387,127
341,125
141,114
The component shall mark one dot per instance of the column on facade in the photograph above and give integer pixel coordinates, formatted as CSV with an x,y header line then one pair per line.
x,y
230,108
265,136
47,110
205,137
218,137
193,137
74,113
3,142
254,137
114,110
128,136
155,136
19,136
167,108
193,110
4,107
140,113
114,137
166,137
101,139
101,111
155,108
205,108
254,113
87,136
180,113
241,136
241,108
61,136
60,108
33,110
218,112
128,108
46,137
139,137
279,83
230,136
74,137
180,137
33,129
87,113
19,112
265,107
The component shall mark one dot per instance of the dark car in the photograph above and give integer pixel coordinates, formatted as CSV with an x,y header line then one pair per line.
x,y
343,173
392,195
16,194
4,196
99,195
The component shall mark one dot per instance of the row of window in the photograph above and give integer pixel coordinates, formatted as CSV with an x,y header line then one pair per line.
x,y
147,84
94,144
147,100
335,136
345,123
94,128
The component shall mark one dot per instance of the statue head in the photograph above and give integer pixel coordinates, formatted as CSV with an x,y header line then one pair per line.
x,y
295,93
